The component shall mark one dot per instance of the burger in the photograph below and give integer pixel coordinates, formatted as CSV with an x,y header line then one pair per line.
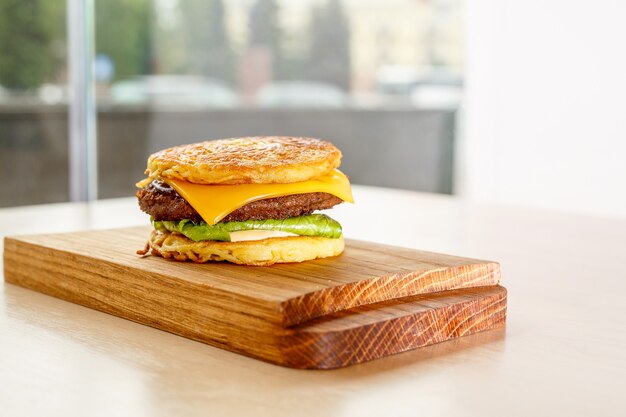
x,y
250,201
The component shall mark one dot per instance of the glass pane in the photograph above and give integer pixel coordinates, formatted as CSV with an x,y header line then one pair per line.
x,y
33,102
382,79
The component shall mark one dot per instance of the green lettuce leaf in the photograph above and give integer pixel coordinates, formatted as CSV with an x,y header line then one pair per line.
x,y
311,225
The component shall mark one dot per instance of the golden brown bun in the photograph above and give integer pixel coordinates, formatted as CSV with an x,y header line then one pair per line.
x,y
256,252
260,160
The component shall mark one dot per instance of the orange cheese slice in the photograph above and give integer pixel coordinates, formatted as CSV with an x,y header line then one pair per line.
x,y
214,202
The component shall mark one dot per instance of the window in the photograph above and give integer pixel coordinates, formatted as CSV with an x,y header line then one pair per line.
x,y
381,79
33,102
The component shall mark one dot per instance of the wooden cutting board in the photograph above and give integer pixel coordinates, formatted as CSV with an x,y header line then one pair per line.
x,y
372,301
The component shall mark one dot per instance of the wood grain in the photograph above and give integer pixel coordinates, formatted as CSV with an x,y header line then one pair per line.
x,y
370,332
282,294
320,314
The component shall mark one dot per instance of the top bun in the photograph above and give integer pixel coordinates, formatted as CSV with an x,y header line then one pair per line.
x,y
253,160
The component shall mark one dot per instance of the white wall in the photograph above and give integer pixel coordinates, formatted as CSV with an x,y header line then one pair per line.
x,y
545,108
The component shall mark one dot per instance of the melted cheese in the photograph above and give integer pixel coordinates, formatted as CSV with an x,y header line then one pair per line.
x,y
214,202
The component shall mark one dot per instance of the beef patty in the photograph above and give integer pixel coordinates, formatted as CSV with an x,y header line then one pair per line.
x,y
162,202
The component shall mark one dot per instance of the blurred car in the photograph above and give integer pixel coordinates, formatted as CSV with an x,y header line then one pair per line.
x,y
174,91
52,93
301,94
397,79
432,87
437,96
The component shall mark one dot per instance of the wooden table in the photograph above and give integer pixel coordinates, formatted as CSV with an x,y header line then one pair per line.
x,y
563,351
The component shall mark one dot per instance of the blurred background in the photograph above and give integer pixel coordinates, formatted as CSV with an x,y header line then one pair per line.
x,y
510,102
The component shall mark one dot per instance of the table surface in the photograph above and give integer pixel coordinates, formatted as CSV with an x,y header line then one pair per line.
x,y
563,351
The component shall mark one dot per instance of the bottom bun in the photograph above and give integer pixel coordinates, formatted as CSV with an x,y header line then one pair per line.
x,y
254,252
